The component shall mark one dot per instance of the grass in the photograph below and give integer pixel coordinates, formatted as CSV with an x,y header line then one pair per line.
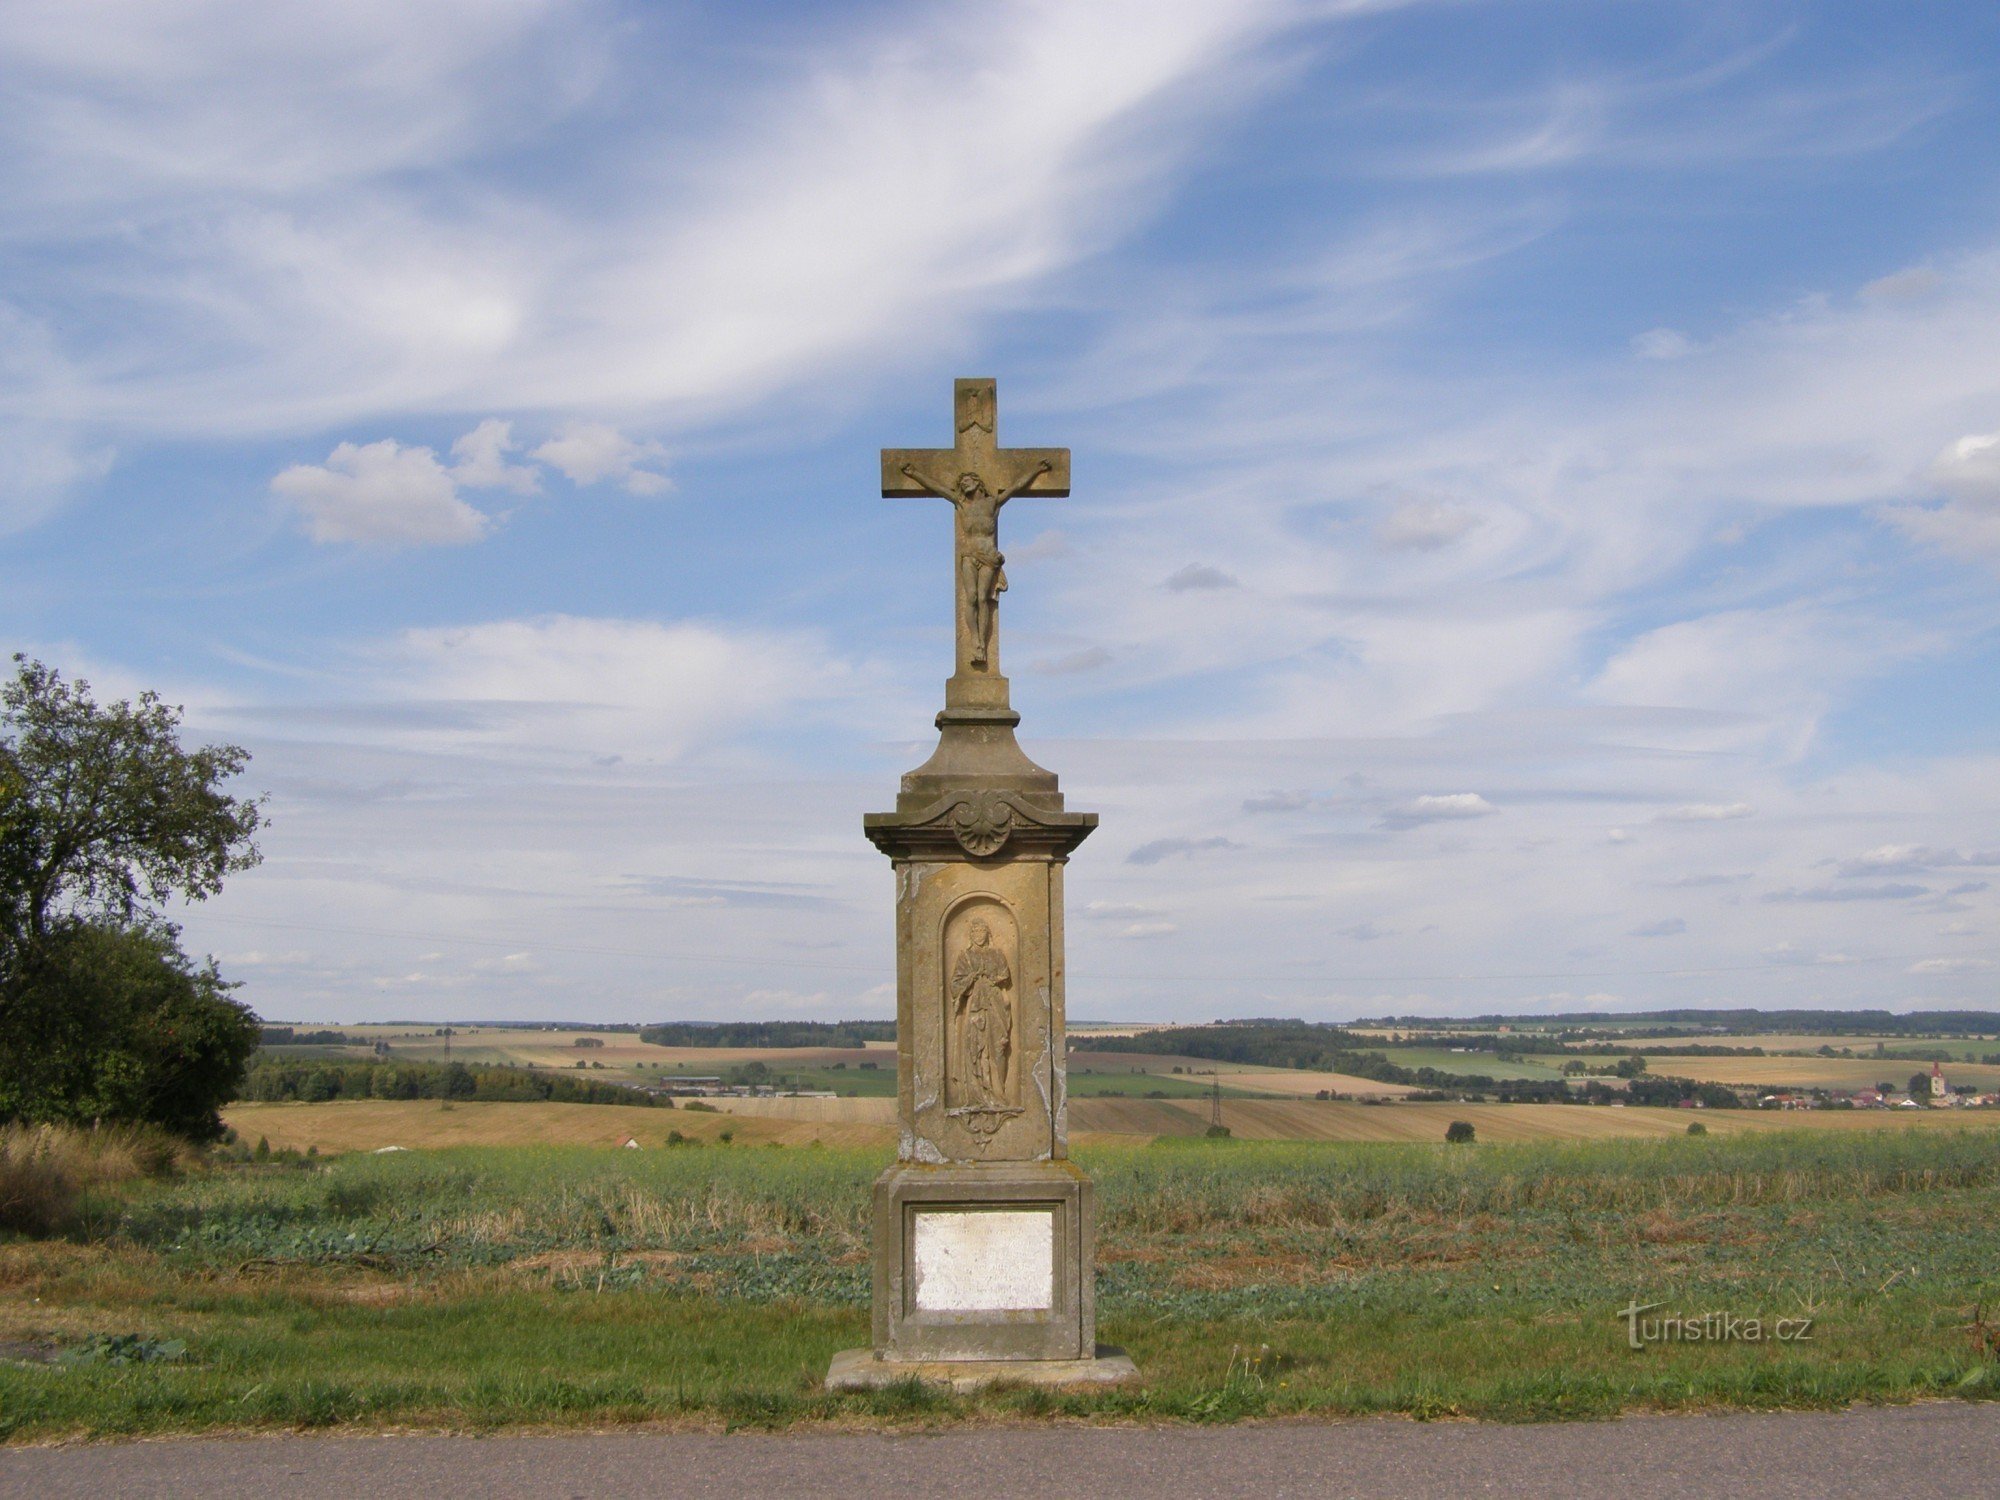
x,y
46,1170
482,1287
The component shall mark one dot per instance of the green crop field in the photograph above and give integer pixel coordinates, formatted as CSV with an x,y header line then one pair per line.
x,y
1472,1062
485,1286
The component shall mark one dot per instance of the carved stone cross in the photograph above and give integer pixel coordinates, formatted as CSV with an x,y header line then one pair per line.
x,y
978,477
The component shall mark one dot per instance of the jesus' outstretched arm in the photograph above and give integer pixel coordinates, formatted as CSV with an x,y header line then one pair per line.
x,y
915,476
1014,489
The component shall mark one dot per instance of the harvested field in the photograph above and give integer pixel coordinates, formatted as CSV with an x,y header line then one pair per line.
x,y
880,1112
1286,1082
421,1124
1815,1072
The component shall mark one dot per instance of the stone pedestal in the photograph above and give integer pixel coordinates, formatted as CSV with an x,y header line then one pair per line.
x,y
988,1261
983,1229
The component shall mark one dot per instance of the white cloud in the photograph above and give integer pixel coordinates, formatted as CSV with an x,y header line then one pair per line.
x,y
1786,953
1915,859
482,460
1664,927
1950,966
590,452
1450,807
1152,853
1662,343
1089,659
1908,284
1968,522
1425,525
1148,929
1199,576
380,493
1707,812
316,211
1278,802
389,494
637,688
1118,911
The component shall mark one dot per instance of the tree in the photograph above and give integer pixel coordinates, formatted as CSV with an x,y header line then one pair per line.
x,y
106,815
1460,1133
1920,1085
108,1022
103,818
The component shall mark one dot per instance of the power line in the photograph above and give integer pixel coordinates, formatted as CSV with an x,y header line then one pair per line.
x,y
656,955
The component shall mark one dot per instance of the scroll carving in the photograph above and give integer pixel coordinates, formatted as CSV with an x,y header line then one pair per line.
x,y
982,824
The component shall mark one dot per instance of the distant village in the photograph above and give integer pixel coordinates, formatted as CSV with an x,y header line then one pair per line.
x,y
1936,1093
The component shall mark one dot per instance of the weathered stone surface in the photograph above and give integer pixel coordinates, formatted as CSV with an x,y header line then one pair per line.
x,y
861,1370
983,1231
947,1287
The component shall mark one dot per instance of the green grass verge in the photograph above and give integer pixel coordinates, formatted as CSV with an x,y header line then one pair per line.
x,y
483,1288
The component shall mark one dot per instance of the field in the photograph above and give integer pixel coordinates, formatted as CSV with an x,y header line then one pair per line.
x,y
371,1124
1447,1061
607,1056
870,1072
1236,1077
480,1287
1814,1072
376,1124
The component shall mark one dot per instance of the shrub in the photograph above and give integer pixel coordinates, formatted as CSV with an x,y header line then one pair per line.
x,y
1695,1127
1459,1133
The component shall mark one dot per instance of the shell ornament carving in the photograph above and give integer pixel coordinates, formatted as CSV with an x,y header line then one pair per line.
x,y
982,824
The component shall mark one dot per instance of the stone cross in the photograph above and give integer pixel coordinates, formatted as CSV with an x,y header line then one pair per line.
x,y
983,1227
978,477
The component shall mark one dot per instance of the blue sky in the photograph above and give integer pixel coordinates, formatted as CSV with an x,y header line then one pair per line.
x,y
1536,504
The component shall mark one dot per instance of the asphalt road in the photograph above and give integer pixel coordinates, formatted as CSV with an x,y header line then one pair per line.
x,y
1944,1448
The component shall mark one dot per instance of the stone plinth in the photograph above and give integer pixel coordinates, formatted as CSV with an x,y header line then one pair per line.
x,y
864,1370
984,1261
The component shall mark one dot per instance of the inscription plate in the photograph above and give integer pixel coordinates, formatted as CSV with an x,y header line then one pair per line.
x,y
984,1259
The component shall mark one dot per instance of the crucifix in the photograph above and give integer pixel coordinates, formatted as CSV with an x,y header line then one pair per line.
x,y
978,477
984,1229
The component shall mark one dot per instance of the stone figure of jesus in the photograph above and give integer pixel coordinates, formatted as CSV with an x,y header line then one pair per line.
x,y
982,573
983,1006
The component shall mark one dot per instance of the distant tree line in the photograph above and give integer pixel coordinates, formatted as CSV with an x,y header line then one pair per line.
x,y
288,1036
1821,1022
768,1033
1291,1044
1327,1049
318,1082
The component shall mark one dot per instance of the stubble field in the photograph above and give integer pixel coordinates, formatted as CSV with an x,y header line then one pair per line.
x,y
373,1124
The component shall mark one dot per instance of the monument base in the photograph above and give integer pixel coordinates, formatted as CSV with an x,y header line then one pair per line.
x,y
984,1261
861,1370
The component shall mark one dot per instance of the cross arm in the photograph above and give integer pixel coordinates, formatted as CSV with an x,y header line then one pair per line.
x,y
935,471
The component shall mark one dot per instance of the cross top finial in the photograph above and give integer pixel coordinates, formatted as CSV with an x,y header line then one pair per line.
x,y
978,477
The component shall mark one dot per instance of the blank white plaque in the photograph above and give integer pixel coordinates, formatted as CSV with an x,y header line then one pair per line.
x,y
984,1259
